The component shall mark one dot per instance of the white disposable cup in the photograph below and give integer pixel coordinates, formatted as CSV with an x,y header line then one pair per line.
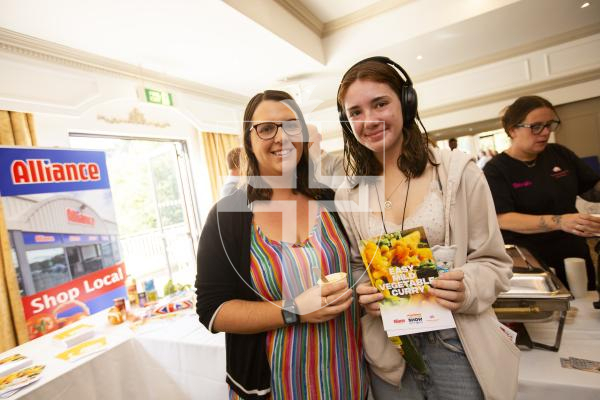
x,y
332,278
576,276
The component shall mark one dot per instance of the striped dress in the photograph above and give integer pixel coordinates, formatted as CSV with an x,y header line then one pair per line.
x,y
309,361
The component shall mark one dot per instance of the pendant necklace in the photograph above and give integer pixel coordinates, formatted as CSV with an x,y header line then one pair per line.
x,y
388,204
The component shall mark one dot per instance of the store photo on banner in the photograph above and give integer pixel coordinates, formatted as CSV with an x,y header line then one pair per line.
x,y
63,234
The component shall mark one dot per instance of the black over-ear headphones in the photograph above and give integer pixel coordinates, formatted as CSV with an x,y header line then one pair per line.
x,y
408,95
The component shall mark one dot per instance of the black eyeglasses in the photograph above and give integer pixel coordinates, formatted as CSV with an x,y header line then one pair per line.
x,y
268,130
537,128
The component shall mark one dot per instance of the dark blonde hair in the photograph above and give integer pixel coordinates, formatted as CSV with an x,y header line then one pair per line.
x,y
233,158
304,183
358,159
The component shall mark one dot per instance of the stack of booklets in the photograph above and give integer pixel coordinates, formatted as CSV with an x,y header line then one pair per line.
x,y
16,372
74,335
402,267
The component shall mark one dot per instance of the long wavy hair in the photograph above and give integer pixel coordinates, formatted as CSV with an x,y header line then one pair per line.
x,y
361,161
305,182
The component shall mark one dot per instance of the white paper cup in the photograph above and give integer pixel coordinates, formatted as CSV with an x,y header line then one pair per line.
x,y
332,278
576,276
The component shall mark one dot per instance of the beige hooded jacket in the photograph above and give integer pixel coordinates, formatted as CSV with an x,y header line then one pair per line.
x,y
472,226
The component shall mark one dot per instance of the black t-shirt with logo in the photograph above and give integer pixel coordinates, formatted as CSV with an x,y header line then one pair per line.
x,y
550,186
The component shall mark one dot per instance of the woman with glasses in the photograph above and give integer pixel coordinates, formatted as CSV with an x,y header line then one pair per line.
x,y
262,252
534,184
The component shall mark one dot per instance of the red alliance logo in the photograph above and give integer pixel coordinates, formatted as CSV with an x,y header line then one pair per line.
x,y
32,171
78,217
43,239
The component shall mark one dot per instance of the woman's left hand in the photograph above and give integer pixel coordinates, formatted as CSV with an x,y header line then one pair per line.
x,y
449,289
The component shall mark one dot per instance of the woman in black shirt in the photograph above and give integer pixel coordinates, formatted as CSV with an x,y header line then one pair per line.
x,y
534,185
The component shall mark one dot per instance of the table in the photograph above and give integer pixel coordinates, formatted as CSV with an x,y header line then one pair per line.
x,y
540,373
180,359
170,359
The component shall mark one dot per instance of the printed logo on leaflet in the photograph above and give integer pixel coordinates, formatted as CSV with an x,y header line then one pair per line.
x,y
32,171
415,318
399,321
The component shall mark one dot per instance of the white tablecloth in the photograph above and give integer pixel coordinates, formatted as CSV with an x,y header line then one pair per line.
x,y
169,359
180,359
540,373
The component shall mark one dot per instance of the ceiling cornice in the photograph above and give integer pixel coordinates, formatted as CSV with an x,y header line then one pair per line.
x,y
500,96
322,29
509,94
361,15
303,14
512,52
498,56
29,46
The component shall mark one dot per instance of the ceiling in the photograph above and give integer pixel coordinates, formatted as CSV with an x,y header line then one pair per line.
x,y
240,47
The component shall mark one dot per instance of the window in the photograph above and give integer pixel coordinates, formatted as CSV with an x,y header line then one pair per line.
x,y
91,258
15,262
48,268
155,207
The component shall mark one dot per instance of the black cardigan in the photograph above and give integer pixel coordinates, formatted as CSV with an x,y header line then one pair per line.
x,y
223,275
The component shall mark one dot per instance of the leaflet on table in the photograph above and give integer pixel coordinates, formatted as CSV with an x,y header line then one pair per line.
x,y
74,335
83,349
20,378
13,363
401,266
580,364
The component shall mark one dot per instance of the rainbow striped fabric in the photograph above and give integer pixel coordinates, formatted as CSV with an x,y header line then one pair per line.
x,y
309,361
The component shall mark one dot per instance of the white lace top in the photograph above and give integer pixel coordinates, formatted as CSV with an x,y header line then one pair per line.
x,y
429,214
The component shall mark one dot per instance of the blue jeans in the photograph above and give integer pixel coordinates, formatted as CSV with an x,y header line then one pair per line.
x,y
450,374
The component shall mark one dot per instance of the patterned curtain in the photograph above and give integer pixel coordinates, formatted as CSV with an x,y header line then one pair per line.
x,y
16,129
216,147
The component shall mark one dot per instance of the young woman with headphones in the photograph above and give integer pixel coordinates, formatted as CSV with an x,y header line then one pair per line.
x,y
410,183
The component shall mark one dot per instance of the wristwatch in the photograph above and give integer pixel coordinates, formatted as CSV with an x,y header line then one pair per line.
x,y
289,312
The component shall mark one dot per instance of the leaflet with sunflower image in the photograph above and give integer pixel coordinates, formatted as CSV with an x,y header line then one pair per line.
x,y
401,266
19,379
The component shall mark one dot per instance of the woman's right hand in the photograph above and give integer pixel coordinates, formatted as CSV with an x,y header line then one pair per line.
x,y
584,225
369,297
322,303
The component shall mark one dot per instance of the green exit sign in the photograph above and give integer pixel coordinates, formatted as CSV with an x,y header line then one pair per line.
x,y
158,97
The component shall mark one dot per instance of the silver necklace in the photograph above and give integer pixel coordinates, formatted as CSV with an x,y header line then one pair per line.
x,y
528,164
386,206
388,203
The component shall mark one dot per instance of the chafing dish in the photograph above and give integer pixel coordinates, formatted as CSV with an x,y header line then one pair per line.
x,y
535,295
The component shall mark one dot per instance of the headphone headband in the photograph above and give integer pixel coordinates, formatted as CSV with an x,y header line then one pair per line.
x,y
384,60
407,94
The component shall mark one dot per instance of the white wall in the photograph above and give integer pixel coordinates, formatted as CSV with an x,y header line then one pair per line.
x,y
66,100
562,73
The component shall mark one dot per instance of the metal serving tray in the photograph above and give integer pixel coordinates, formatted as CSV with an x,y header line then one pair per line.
x,y
537,285
534,296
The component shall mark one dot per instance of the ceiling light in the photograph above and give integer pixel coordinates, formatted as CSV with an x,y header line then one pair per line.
x,y
584,5
419,57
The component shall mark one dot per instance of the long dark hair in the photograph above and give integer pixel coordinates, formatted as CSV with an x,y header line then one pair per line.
x,y
518,111
358,159
304,184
